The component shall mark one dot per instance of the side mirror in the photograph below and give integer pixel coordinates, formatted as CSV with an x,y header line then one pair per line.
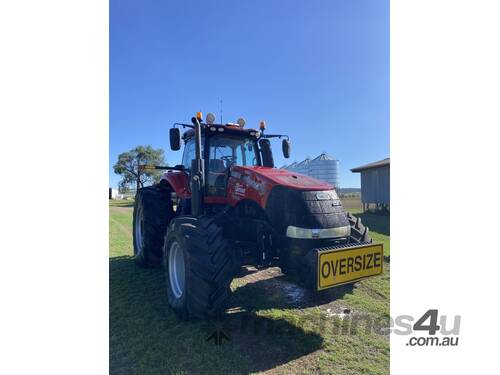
x,y
285,145
266,152
175,139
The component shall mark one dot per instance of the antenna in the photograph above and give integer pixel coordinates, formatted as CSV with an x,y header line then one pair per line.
x,y
221,110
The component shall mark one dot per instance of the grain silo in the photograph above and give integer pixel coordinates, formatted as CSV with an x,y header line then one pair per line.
x,y
302,167
289,167
324,167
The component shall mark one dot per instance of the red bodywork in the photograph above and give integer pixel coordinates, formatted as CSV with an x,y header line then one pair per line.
x,y
180,183
249,183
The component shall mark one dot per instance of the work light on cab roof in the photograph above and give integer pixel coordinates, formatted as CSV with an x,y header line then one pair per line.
x,y
210,119
241,122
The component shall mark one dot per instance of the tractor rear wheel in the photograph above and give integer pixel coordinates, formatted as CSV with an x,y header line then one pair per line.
x,y
198,267
153,210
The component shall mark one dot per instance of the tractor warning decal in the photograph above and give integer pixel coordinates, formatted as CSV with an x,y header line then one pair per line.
x,y
239,190
341,266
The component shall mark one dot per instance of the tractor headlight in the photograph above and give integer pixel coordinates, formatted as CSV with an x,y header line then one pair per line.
x,y
312,234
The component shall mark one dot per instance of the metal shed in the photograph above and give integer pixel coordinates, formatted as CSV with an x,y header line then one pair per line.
x,y
375,184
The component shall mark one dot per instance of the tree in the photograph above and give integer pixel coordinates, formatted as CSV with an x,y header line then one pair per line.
x,y
128,166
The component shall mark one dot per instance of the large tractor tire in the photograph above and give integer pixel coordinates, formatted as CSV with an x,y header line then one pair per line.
x,y
153,211
291,255
198,267
359,233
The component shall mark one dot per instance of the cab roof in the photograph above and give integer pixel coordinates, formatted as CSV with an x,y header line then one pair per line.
x,y
221,129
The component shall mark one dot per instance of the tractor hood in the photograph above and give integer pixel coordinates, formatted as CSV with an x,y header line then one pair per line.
x,y
282,177
289,199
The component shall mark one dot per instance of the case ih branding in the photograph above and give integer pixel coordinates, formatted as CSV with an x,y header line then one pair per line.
x,y
227,206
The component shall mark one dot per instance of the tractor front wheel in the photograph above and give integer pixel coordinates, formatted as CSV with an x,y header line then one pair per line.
x,y
198,267
359,233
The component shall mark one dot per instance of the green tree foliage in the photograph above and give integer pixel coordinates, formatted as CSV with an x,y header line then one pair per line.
x,y
128,166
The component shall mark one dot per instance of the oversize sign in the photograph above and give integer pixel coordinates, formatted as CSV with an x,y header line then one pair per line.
x,y
341,266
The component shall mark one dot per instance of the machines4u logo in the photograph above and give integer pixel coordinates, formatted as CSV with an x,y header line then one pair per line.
x,y
438,329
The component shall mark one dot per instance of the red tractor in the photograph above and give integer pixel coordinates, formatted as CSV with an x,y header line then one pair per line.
x,y
227,206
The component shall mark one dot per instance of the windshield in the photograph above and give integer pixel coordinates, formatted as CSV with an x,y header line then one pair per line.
x,y
232,150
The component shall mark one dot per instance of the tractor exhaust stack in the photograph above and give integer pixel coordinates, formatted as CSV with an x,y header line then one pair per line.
x,y
197,171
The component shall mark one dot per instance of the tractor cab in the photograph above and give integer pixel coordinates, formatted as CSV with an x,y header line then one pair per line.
x,y
223,152
223,146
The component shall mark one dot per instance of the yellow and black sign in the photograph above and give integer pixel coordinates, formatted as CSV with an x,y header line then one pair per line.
x,y
341,266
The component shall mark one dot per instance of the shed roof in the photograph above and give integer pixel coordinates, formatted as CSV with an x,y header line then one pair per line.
x,y
375,164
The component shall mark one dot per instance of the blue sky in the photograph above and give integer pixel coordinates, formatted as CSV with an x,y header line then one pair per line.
x,y
316,70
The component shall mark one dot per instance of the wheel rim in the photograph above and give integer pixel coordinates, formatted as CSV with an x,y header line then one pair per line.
x,y
139,230
176,269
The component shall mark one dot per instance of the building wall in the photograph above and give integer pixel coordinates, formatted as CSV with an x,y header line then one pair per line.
x,y
375,185
113,193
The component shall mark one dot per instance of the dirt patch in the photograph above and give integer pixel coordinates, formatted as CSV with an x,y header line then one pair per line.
x,y
270,288
273,281
337,312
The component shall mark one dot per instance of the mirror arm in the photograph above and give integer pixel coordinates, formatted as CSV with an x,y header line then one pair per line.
x,y
161,167
279,136
183,125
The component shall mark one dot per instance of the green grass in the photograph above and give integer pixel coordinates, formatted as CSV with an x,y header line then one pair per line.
x,y
352,204
268,333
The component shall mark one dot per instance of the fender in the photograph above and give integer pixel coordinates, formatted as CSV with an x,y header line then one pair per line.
x,y
246,185
179,181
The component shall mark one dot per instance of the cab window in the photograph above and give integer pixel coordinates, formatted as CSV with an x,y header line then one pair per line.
x,y
189,153
225,151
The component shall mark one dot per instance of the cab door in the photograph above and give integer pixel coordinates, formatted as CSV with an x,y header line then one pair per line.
x,y
221,155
